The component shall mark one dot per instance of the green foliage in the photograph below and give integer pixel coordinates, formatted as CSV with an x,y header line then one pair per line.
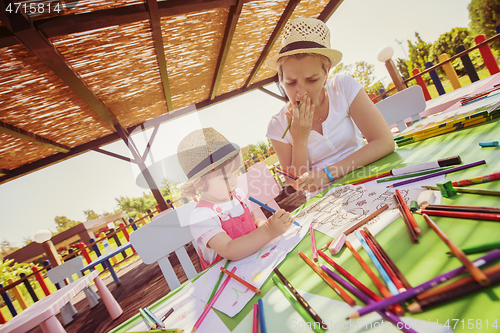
x,y
63,223
6,247
362,72
169,189
484,16
402,66
132,207
419,55
448,43
254,150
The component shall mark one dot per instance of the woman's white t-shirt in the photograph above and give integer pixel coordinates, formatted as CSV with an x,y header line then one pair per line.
x,y
340,136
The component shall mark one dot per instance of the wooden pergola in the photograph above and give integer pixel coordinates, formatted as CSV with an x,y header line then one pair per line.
x,y
77,75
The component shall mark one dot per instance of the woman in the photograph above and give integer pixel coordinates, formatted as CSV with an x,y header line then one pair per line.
x,y
323,142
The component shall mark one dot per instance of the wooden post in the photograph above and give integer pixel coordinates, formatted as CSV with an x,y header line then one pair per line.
x,y
489,59
8,302
435,79
41,281
107,247
421,83
28,286
18,295
469,67
395,76
84,252
125,233
450,71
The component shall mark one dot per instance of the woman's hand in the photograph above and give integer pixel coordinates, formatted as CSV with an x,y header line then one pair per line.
x,y
313,181
302,119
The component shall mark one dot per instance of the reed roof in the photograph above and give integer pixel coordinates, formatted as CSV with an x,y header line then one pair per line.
x,y
76,75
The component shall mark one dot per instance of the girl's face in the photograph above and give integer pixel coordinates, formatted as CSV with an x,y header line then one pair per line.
x,y
219,188
304,77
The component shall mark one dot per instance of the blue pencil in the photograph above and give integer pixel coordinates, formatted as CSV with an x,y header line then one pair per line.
x,y
272,210
261,317
157,321
285,174
390,285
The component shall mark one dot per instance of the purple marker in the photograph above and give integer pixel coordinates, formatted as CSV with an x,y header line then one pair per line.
x,y
491,256
439,173
387,315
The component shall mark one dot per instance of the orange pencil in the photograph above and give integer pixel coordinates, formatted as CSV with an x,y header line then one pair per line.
x,y
328,280
398,310
240,280
289,173
408,213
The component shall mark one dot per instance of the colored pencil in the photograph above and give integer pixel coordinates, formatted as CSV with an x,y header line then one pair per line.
x,y
272,210
297,306
366,219
328,280
401,202
255,326
262,320
167,330
240,280
481,191
388,282
212,302
462,215
166,315
476,180
411,232
302,302
439,173
327,244
350,278
289,123
454,290
457,208
379,174
383,262
147,319
398,310
157,321
476,273
426,166
365,299
481,248
313,243
492,256
416,174
221,274
385,174
288,173
391,263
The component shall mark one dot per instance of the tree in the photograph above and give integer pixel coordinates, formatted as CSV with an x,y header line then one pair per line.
x,y
362,72
484,16
254,150
169,188
91,215
63,223
6,247
419,55
132,207
448,43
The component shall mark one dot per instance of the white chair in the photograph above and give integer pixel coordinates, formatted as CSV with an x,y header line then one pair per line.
x,y
167,233
260,184
59,274
402,106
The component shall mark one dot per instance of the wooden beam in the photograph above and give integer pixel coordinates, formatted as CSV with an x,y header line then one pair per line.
x,y
329,10
232,21
31,137
155,22
270,42
3,172
270,93
109,153
50,56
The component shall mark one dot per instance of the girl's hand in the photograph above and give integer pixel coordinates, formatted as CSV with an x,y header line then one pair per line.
x,y
313,181
279,223
302,118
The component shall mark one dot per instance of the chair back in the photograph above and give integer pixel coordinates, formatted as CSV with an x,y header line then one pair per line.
x,y
403,105
260,184
167,233
66,270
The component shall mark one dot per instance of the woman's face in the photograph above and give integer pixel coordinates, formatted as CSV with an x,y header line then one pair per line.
x,y
304,77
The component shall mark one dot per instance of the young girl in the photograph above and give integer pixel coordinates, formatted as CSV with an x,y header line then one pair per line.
x,y
222,224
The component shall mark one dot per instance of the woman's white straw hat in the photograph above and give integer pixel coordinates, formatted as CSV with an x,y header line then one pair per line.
x,y
201,151
305,35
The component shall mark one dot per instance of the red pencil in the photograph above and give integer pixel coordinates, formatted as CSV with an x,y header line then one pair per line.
x,y
289,173
388,173
240,280
463,215
408,213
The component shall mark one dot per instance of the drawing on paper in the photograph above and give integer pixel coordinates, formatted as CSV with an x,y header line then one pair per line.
x,y
237,294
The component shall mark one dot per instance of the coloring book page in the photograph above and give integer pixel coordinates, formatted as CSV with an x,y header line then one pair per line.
x,y
344,206
254,269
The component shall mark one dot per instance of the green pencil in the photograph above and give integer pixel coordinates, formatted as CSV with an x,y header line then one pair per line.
x,y
411,175
468,190
168,330
296,305
147,319
481,248
289,124
221,274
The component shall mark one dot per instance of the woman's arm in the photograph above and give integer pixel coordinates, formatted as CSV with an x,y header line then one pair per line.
x,y
374,129
242,247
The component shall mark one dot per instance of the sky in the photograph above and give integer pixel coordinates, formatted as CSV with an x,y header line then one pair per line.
x,y
359,29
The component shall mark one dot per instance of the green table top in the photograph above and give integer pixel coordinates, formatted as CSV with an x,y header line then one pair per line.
x,y
427,259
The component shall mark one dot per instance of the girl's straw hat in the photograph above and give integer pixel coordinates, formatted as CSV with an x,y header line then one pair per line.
x,y
305,35
201,151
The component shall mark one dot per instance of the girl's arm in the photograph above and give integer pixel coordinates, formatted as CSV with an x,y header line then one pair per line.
x,y
259,221
242,247
374,129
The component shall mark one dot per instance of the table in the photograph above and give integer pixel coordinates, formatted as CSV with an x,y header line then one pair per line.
x,y
418,262
104,259
43,312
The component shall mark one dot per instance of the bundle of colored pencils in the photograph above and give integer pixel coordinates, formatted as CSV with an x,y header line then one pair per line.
x,y
465,212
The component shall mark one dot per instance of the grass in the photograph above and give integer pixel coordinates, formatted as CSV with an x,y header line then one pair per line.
x,y
464,80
